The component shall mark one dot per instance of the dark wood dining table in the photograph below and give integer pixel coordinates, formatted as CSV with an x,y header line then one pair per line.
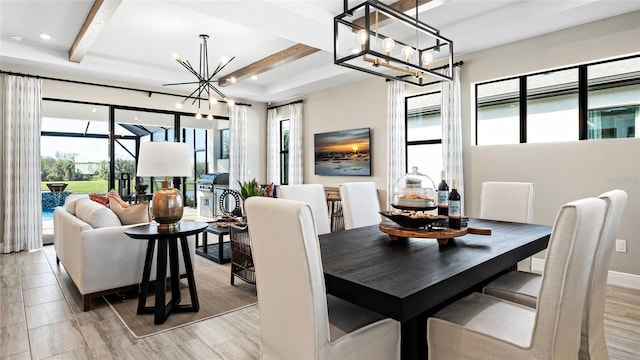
x,y
410,279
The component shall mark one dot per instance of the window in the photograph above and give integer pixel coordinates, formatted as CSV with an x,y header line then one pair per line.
x,y
591,101
614,111
498,105
424,133
284,152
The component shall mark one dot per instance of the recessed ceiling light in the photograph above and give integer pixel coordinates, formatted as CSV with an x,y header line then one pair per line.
x,y
45,36
254,77
15,37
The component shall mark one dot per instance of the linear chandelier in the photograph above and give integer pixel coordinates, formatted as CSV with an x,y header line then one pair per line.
x,y
204,80
377,39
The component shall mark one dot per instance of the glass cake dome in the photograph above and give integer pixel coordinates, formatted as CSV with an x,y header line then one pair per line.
x,y
414,191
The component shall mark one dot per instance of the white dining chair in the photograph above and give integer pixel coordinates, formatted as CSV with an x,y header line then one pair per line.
x,y
480,326
360,204
508,201
524,288
298,320
314,195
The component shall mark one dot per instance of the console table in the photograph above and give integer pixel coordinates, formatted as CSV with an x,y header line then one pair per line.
x,y
165,239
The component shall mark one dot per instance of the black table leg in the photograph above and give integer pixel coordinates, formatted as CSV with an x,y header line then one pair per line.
x,y
414,338
193,293
174,270
204,242
144,285
161,308
221,248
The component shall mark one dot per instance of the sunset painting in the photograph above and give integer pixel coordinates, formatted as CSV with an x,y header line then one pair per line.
x,y
343,153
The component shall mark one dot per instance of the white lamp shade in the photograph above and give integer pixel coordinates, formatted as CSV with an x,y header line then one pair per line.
x,y
164,159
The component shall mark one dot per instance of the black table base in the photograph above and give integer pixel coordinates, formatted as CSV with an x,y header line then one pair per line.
x,y
162,309
212,252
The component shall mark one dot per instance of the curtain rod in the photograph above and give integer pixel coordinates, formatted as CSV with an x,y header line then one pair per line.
x,y
150,92
277,106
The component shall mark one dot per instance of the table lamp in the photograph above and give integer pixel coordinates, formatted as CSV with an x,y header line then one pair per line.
x,y
170,160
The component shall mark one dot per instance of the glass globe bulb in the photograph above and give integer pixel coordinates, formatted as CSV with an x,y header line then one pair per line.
x,y
224,60
362,36
212,100
210,117
427,58
388,44
198,116
230,102
407,52
179,104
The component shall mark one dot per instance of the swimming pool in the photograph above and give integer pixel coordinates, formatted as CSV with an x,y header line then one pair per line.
x,y
47,214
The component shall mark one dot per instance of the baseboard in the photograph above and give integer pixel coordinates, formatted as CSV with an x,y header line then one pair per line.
x,y
616,278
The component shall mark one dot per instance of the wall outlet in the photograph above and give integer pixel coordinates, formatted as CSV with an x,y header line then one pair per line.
x,y
621,245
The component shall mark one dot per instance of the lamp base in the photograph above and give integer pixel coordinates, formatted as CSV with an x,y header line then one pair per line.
x,y
167,208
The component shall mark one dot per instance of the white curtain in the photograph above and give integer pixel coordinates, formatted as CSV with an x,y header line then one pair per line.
x,y
452,132
396,145
273,147
295,144
237,145
21,198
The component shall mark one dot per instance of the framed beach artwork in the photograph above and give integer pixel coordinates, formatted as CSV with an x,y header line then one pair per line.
x,y
343,153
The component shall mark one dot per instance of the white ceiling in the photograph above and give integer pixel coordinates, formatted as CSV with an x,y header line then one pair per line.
x,y
135,45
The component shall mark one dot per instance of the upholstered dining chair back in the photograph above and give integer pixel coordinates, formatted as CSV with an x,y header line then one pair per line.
x,y
485,327
360,204
593,344
294,307
314,195
507,201
524,288
573,243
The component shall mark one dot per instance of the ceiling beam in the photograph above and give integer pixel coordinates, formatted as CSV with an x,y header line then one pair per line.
x,y
280,58
96,20
401,6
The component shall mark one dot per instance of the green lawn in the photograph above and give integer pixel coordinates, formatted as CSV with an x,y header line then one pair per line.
x,y
83,187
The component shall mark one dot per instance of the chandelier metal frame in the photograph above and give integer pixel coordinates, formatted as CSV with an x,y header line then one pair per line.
x,y
204,79
375,55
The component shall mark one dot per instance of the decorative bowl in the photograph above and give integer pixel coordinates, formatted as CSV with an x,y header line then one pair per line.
x,y
412,219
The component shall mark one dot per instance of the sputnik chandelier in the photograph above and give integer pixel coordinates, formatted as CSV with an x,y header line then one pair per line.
x,y
204,80
375,38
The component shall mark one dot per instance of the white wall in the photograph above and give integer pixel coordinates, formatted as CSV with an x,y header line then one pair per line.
x,y
356,105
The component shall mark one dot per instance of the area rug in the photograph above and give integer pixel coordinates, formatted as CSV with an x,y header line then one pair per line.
x,y
216,296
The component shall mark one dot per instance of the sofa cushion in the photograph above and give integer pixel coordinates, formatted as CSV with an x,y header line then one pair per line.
x,y
131,214
96,215
70,203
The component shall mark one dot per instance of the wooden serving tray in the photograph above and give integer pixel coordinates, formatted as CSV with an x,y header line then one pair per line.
x,y
443,235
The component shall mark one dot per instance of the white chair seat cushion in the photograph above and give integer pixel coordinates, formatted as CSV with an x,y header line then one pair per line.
x,y
516,286
487,315
346,317
358,333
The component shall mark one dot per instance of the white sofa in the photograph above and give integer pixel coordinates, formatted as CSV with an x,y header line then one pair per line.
x,y
100,259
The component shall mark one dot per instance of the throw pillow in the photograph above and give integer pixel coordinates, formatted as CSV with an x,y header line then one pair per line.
x,y
133,214
100,199
117,199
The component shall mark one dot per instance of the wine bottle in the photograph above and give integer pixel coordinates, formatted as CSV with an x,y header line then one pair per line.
x,y
443,195
455,215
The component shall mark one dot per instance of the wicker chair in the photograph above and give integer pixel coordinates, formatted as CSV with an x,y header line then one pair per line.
x,y
241,259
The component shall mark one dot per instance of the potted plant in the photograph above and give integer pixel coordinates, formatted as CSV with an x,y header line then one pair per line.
x,y
141,187
253,188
